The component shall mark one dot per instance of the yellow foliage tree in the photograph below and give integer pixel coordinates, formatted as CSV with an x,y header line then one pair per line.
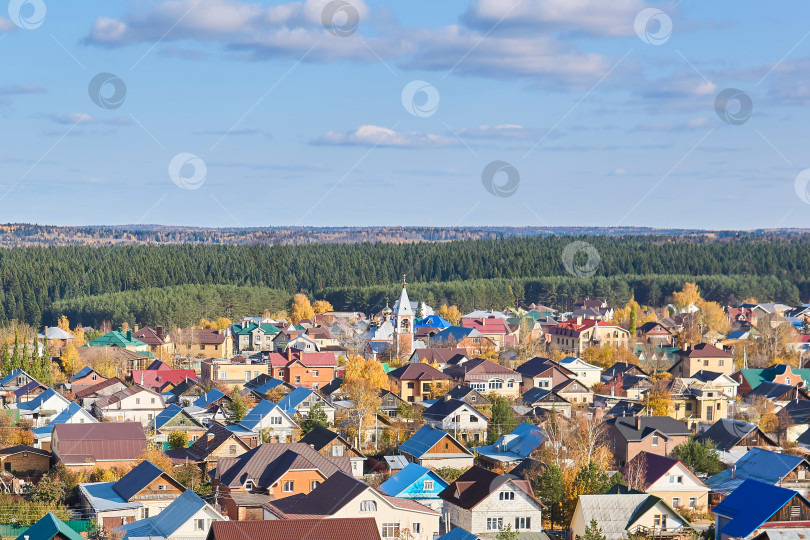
x,y
156,456
365,369
301,309
450,314
322,306
63,323
713,317
660,402
71,362
688,295
222,323
78,336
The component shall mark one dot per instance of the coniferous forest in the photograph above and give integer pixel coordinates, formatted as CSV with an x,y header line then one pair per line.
x,y
179,284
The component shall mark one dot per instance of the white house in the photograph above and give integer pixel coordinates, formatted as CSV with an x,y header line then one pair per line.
x,y
620,515
187,518
586,373
73,414
43,408
267,417
457,417
484,502
132,404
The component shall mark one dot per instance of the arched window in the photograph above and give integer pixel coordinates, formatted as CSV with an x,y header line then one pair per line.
x,y
405,325
368,506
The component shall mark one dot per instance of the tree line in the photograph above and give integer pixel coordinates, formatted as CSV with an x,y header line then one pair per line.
x,y
38,284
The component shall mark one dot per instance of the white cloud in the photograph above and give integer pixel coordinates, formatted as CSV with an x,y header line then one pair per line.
x,y
371,135
690,125
6,25
72,118
505,131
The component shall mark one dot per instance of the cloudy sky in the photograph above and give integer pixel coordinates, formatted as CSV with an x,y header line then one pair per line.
x,y
425,112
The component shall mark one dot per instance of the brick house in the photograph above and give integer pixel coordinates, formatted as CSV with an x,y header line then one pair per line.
x,y
414,382
702,357
578,334
488,377
330,444
627,436
310,369
25,460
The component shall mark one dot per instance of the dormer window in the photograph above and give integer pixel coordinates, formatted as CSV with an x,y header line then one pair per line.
x,y
249,485
506,495
368,506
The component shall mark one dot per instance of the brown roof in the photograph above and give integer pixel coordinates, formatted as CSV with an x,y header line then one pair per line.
x,y
297,529
148,336
205,336
268,462
477,484
479,366
705,350
418,372
439,355
202,447
75,443
112,399
90,390
23,448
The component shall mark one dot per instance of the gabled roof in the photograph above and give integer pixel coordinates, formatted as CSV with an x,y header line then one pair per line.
x,y
296,529
626,408
534,395
210,397
84,372
750,505
517,445
47,528
254,417
320,436
477,483
5,381
458,534
420,443
612,512
29,389
54,332
138,478
405,478
90,390
63,418
116,339
756,464
727,433
639,428
479,366
157,378
291,401
215,437
169,520
705,350
418,372
654,467
798,410
123,441
538,365
169,413
11,450
149,336
440,356
112,399
433,321
39,400
774,391
443,408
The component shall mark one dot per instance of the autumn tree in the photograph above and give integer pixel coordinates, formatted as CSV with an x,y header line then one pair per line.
x,y
237,408
155,454
301,309
315,417
322,306
178,439
659,400
70,360
451,314
689,294
362,381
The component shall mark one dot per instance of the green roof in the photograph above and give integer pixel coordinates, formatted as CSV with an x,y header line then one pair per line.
x,y
270,328
116,339
757,376
47,528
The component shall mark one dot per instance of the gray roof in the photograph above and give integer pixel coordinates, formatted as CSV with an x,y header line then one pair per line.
x,y
612,512
664,425
727,433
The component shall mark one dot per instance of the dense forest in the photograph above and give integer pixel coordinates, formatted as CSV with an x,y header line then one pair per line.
x,y
40,283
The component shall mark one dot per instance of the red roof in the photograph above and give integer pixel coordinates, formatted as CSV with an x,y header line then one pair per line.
x,y
490,325
313,359
157,378
573,328
297,529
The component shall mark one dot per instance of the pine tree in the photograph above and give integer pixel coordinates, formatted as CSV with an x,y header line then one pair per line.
x,y
15,355
5,363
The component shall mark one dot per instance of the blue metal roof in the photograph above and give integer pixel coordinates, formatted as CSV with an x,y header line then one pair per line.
x,y
433,321
63,418
37,402
757,464
454,333
291,401
5,381
102,497
422,441
257,414
167,521
405,478
208,398
84,372
458,534
137,479
269,385
524,439
751,505
167,414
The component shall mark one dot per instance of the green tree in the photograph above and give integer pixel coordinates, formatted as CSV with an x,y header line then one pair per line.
x,y
591,480
551,489
507,534
178,439
592,532
633,319
700,457
315,417
503,419
237,408
50,489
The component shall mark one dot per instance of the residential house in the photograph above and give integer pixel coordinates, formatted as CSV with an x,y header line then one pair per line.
x,y
132,404
777,393
512,448
441,358
85,378
578,334
547,400
302,343
622,369
723,382
258,387
271,421
751,378
457,417
654,434
160,377
542,373
82,447
43,408
733,438
310,369
234,371
270,472
702,356
416,483
758,506
487,376
469,395
295,529
175,418
324,340
434,448
469,339
496,329
773,468
415,381
159,342
188,517
23,460
331,444
185,393
302,399
573,391
655,333
217,443
695,402
50,527
585,373
143,492
629,386
204,343
252,336
667,478
15,380
485,502
795,417
124,360
74,414
117,338
91,394
389,401
624,515
342,496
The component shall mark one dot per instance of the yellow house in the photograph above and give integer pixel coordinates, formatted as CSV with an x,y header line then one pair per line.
x,y
696,402
667,478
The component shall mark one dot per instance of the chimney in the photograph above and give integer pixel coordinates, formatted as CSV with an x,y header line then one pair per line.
x,y
447,397
129,335
579,320
289,353
638,423
159,332
135,327
210,439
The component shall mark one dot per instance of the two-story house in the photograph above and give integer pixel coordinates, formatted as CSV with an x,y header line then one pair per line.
x,y
487,376
132,404
416,483
457,417
627,436
310,369
235,371
702,356
301,400
331,444
414,382
578,334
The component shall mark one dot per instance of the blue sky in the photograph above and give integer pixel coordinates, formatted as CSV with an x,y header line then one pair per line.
x,y
605,122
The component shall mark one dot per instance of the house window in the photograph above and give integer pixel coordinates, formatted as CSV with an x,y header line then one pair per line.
x,y
232,449
473,418
368,506
416,528
223,375
494,524
298,379
199,524
281,373
289,486
337,451
153,401
705,362
676,502
688,406
390,530
510,383
137,401
247,376
249,485
795,511
657,520
506,496
276,420
720,362
523,523
495,384
692,502
313,484
428,485
655,439
314,372
410,386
